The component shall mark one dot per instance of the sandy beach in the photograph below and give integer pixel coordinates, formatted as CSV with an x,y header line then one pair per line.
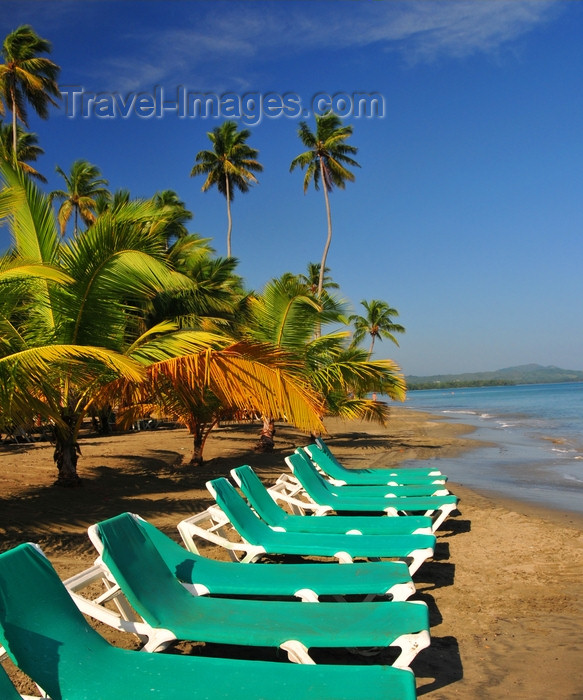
x,y
504,590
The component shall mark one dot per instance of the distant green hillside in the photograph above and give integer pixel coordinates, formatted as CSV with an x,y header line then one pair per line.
x,y
523,374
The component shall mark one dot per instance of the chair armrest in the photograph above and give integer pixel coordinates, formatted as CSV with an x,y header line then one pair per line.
x,y
211,525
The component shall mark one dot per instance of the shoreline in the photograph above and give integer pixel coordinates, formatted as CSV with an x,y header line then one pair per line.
x,y
515,491
504,588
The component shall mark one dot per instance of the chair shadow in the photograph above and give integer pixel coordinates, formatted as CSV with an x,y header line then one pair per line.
x,y
435,574
443,664
435,616
454,526
441,551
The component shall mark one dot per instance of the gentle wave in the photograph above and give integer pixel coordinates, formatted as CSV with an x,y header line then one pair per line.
x,y
537,431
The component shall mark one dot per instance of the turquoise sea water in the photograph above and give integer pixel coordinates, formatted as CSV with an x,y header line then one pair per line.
x,y
536,436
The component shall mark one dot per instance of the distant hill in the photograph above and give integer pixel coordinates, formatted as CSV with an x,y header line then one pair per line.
x,y
523,374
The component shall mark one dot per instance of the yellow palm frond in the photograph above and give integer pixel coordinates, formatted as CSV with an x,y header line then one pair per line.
x,y
37,363
242,376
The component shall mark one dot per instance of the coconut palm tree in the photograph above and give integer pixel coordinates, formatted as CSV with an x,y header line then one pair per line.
x,y
27,77
378,323
84,186
326,162
312,279
178,214
285,316
229,166
27,149
211,301
65,340
219,378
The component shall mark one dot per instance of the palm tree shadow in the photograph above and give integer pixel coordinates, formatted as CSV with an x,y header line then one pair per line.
x,y
147,486
372,443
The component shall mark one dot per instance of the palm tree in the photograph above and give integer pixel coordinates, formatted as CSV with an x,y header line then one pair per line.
x,y
60,342
27,149
312,279
84,185
220,378
229,166
378,323
27,77
106,201
285,315
326,161
179,214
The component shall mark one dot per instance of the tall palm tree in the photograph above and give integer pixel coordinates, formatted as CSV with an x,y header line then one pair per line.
x,y
326,162
27,77
229,166
84,185
378,323
27,149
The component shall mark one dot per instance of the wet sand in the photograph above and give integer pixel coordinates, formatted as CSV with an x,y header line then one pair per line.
x,y
504,589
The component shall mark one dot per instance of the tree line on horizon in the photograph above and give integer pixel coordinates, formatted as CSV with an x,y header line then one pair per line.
x,y
132,313
510,376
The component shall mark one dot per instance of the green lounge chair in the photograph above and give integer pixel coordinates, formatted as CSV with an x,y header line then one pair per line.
x,y
204,576
170,612
322,492
376,490
259,539
7,689
48,638
267,508
325,461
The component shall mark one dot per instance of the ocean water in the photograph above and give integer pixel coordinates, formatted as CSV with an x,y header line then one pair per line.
x,y
535,436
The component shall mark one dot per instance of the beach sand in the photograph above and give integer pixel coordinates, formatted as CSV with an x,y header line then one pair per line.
x,y
505,588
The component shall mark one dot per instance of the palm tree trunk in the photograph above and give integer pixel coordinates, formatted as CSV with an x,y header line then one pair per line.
x,y
229,219
371,348
266,441
198,444
14,140
67,453
200,432
329,238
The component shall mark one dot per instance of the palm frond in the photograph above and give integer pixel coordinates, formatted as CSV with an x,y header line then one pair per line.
x,y
38,363
32,225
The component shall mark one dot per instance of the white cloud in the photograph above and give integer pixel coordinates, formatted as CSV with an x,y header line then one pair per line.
x,y
230,38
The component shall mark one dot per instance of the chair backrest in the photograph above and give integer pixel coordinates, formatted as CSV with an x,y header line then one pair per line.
x,y
39,622
183,564
140,570
325,449
326,461
308,476
258,496
7,689
243,519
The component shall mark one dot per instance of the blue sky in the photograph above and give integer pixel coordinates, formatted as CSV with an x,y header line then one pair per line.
x,y
466,214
